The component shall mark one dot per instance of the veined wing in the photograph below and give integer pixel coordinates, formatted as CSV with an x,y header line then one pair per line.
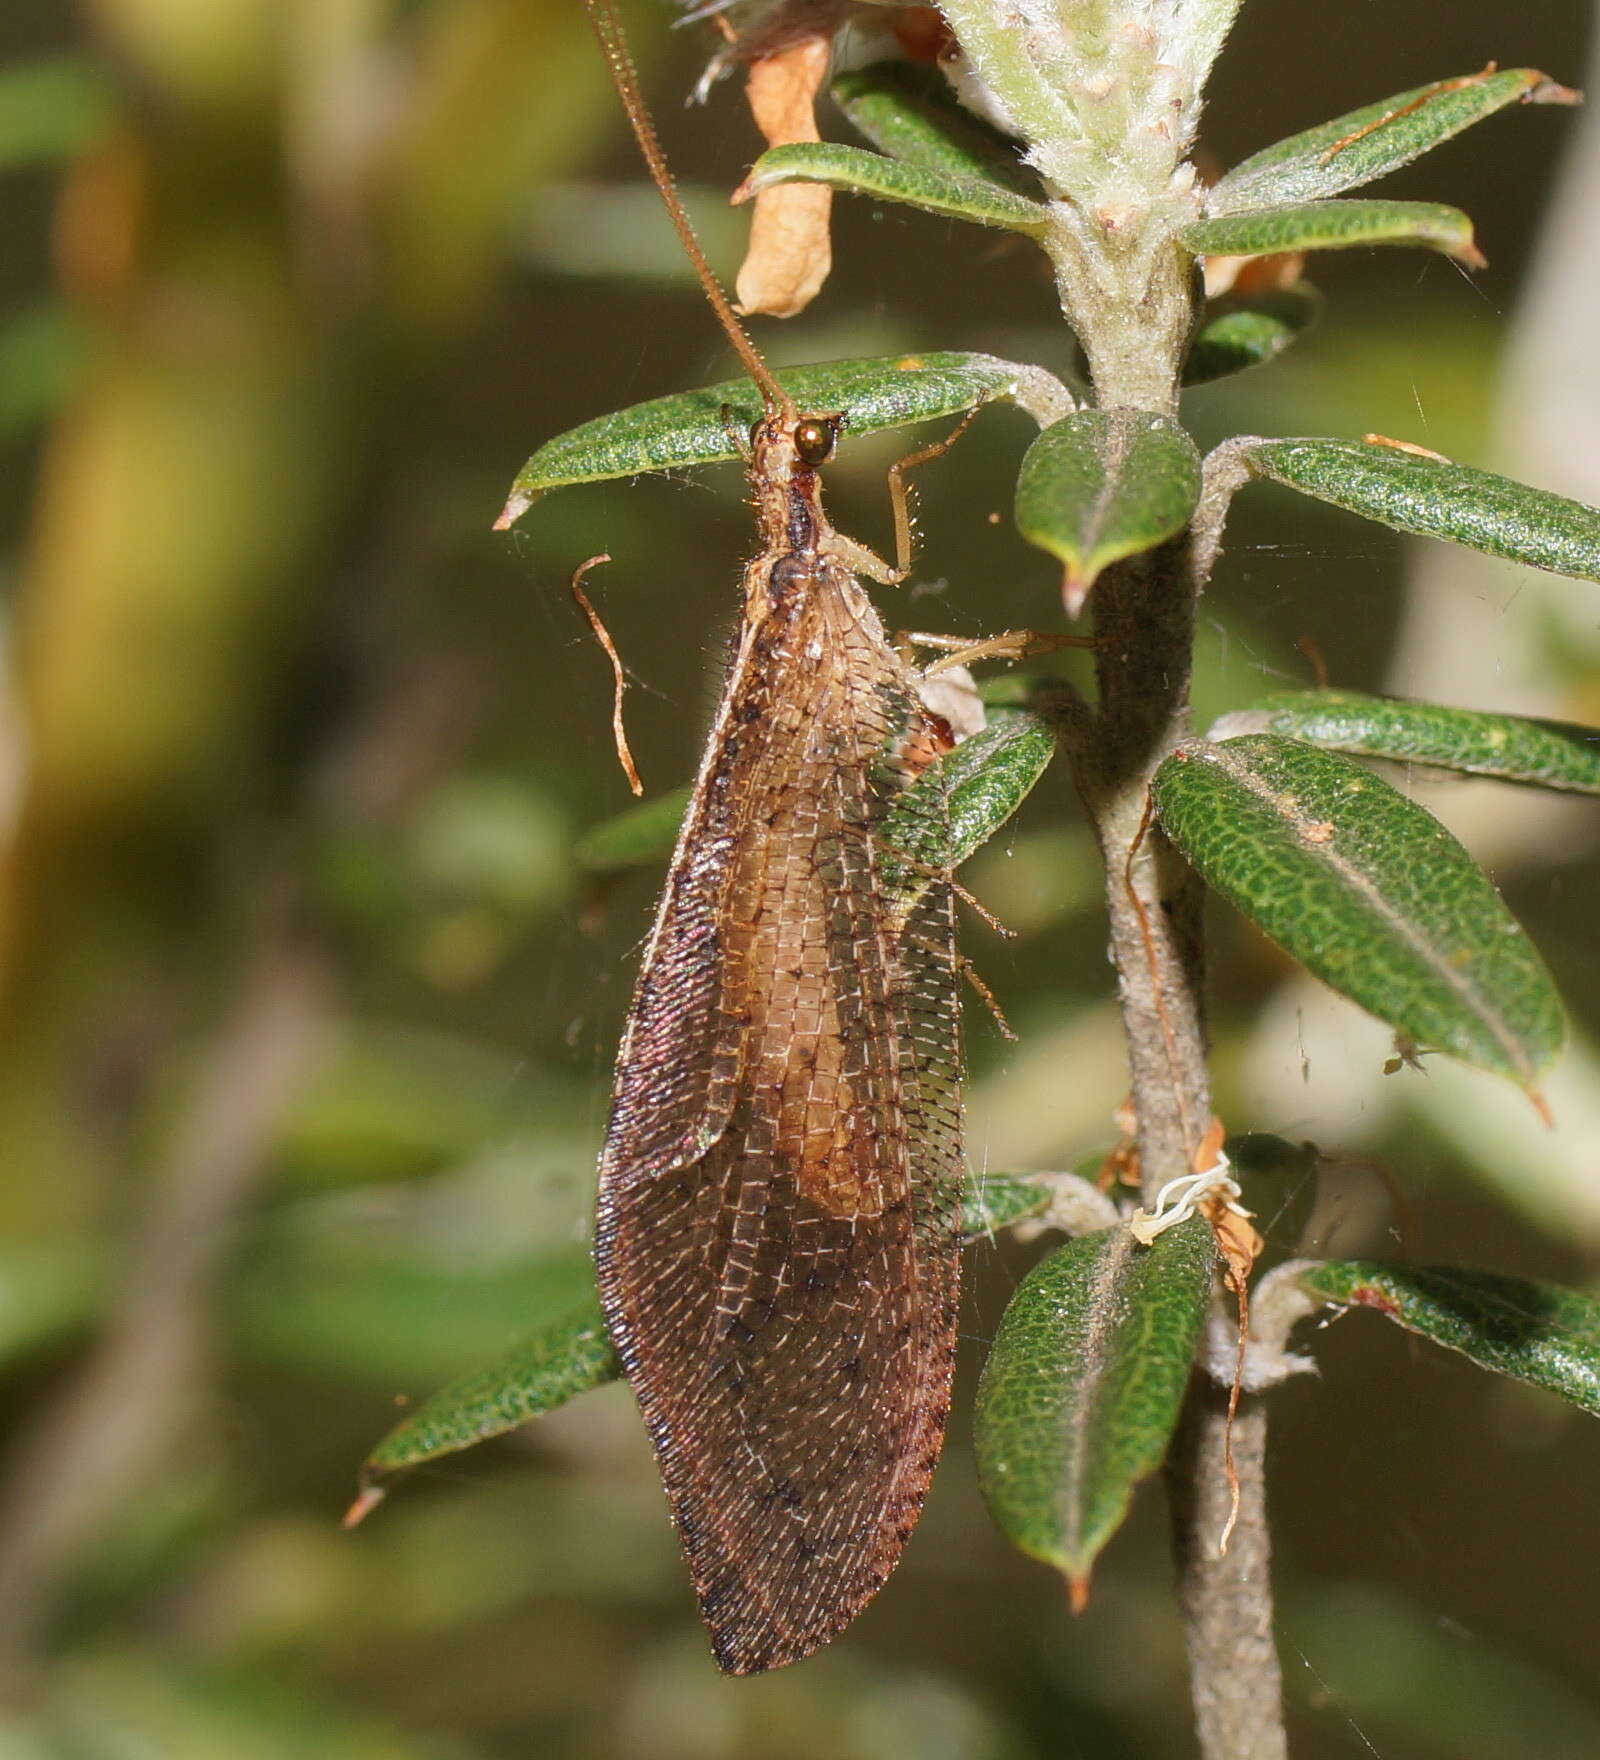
x,y
783,1298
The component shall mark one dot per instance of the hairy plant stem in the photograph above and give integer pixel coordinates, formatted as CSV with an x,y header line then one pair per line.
x,y
1144,612
1226,1599
1144,622
1105,263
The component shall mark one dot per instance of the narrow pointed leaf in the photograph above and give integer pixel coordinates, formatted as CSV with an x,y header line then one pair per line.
x,y
1335,226
1533,1332
706,426
896,180
1433,498
1510,748
1103,484
1082,1388
1368,891
1249,330
910,113
563,1358
1376,139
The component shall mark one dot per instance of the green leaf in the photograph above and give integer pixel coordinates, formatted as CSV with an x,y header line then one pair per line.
x,y
706,426
1082,1388
636,838
1376,139
1510,748
1248,330
988,776
983,782
896,180
991,1202
1433,498
1533,1332
909,112
1103,484
51,109
1368,892
561,1359
1334,226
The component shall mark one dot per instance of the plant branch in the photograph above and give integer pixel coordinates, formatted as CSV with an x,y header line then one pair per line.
x,y
1107,100
1226,471
1144,626
1226,1598
1144,623
1144,619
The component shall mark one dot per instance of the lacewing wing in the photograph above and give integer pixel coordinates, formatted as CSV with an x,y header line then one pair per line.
x,y
777,1241
777,1238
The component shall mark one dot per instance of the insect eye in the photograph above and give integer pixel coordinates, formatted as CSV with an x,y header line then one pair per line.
x,y
814,441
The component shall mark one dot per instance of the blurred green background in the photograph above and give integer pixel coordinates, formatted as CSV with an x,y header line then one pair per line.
x,y
308,1011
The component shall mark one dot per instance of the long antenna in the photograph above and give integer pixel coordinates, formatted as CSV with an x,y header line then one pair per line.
x,y
625,77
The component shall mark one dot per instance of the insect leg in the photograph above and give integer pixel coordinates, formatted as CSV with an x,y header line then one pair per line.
x,y
738,438
969,971
900,492
1011,644
857,557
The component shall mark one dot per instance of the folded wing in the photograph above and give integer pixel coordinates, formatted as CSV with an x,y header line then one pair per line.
x,y
777,1239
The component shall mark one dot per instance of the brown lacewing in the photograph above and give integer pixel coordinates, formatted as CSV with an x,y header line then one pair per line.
x,y
777,1239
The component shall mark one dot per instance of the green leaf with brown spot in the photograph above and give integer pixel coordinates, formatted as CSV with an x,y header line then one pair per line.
x,y
1376,139
1530,1331
1368,891
977,787
1103,484
1083,1387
